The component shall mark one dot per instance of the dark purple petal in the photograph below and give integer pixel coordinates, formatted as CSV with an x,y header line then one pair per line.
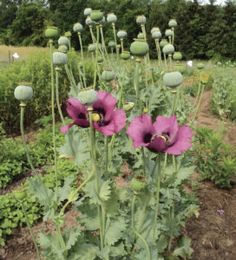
x,y
183,141
115,124
105,104
167,126
141,130
77,112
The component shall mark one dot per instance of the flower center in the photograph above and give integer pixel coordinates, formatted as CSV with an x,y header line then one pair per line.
x,y
81,116
147,138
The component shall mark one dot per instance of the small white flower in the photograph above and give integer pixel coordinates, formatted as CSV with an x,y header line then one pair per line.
x,y
15,56
190,63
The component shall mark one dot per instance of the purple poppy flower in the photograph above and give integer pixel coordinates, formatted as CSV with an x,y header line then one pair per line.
x,y
163,136
111,120
77,112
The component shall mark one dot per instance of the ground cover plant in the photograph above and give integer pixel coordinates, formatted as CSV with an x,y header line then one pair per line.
x,y
124,157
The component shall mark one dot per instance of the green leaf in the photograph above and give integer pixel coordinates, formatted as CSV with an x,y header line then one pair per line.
x,y
105,191
185,249
114,230
75,146
85,252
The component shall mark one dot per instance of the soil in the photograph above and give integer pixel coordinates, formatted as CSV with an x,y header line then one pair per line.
x,y
213,233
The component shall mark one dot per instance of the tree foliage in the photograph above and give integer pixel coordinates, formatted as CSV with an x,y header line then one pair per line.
x,y
204,31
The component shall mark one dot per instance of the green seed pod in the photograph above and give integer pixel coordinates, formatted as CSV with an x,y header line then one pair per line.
x,y
177,55
172,23
108,75
87,96
111,44
96,15
125,55
63,48
168,49
111,18
59,58
154,29
128,106
169,33
89,21
67,34
139,48
172,79
138,184
200,66
163,43
156,35
23,93
122,34
87,11
51,32
140,36
92,47
78,27
141,20
63,40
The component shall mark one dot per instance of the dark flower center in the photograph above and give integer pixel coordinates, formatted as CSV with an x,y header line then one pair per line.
x,y
81,116
147,138
100,110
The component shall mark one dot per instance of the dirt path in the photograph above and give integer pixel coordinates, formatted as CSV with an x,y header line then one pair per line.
x,y
213,234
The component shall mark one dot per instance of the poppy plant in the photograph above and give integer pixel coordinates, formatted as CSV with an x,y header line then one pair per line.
x,y
164,135
109,119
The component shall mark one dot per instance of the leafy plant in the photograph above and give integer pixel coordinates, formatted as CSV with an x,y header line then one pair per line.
x,y
215,160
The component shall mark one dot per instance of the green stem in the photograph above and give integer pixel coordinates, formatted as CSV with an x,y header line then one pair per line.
x,y
96,57
82,57
53,114
115,38
92,35
97,175
62,242
72,82
106,154
22,112
136,83
148,252
144,160
174,101
57,69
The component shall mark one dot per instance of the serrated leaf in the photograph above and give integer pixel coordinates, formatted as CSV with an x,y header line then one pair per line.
x,y
185,249
75,147
105,191
64,191
114,230
85,252
71,237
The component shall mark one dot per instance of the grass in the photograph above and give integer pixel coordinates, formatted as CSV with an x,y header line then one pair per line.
x,y
24,52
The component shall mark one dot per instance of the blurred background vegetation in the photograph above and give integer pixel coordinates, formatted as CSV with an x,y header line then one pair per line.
x,y
204,31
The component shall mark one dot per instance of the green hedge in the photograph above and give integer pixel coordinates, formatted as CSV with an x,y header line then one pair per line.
x,y
36,70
